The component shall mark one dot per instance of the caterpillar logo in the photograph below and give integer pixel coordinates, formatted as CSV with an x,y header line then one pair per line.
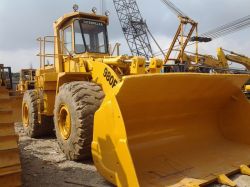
x,y
110,78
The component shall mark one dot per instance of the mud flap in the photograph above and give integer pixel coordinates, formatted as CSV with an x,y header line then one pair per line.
x,y
163,129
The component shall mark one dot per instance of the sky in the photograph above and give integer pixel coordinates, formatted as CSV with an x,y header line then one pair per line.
x,y
23,21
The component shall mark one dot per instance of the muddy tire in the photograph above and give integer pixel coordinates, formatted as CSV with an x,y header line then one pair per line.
x,y
30,117
75,106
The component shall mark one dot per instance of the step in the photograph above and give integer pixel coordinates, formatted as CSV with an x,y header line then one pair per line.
x,y
17,108
10,170
9,158
8,142
10,176
5,103
4,97
6,116
3,89
4,92
7,129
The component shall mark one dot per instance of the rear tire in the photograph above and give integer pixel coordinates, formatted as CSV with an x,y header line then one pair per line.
x,y
75,106
31,124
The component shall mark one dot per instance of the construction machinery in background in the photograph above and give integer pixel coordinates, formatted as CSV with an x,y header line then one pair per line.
x,y
228,28
138,131
177,59
247,89
5,77
236,58
182,39
219,64
233,57
137,35
10,167
135,29
204,63
15,97
221,31
26,80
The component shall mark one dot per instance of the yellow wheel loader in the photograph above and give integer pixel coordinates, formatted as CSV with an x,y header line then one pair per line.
x,y
142,127
10,168
27,80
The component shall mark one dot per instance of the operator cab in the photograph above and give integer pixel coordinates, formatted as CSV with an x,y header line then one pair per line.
x,y
84,35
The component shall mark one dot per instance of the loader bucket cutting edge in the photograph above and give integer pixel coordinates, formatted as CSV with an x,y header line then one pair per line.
x,y
163,129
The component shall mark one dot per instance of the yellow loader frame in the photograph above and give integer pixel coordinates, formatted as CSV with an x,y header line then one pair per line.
x,y
149,128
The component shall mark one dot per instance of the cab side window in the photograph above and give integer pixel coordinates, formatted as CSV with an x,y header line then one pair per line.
x,y
67,33
79,43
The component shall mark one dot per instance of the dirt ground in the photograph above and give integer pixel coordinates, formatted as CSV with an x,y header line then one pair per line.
x,y
44,164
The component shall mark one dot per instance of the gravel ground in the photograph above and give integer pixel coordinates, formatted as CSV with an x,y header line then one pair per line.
x,y
43,164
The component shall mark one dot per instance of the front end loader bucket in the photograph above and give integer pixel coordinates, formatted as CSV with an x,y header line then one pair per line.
x,y
10,168
172,130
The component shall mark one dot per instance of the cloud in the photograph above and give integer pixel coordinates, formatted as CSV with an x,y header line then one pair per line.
x,y
20,59
23,21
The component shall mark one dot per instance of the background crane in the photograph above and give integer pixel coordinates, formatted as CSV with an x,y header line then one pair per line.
x,y
228,28
181,37
137,34
134,28
208,36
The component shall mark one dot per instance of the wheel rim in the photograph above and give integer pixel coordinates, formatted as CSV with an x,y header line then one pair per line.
x,y
64,122
25,115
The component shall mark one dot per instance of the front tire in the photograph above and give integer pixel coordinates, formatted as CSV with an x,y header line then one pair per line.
x,y
75,106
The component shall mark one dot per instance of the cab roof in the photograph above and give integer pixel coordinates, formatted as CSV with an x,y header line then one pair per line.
x,y
66,17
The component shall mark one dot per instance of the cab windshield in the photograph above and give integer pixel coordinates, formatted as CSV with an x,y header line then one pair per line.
x,y
90,36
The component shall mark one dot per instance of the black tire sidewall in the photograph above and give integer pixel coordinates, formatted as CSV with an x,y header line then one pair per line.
x,y
30,98
64,98
82,99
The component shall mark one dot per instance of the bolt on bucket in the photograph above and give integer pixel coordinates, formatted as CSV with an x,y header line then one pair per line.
x,y
163,129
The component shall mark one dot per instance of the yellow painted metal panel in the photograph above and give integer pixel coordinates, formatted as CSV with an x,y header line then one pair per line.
x,y
10,176
6,116
6,129
8,142
9,157
10,168
159,129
